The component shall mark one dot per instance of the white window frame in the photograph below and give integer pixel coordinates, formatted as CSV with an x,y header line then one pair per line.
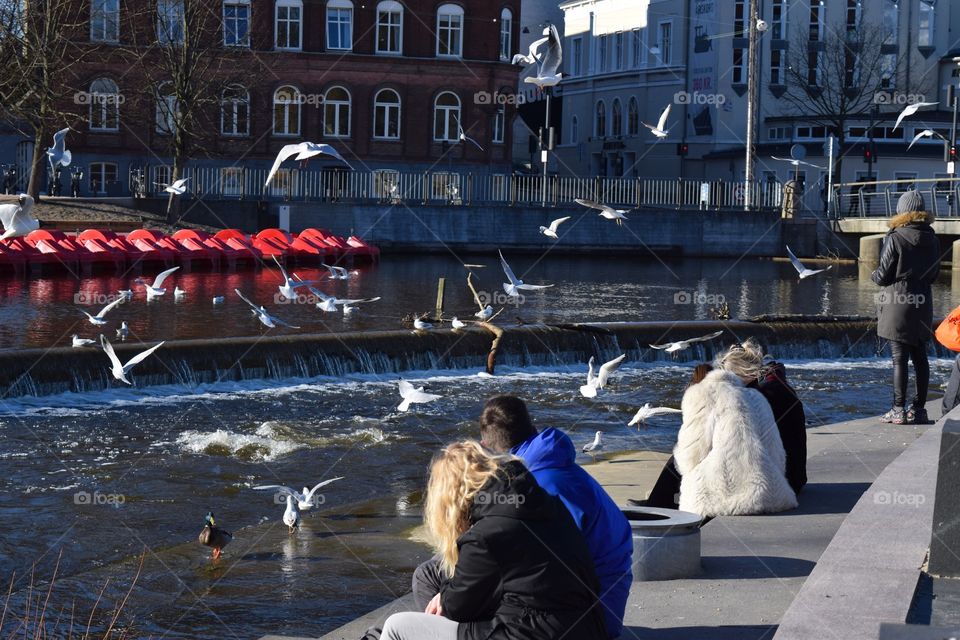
x,y
636,47
576,58
778,70
603,53
336,107
666,52
778,23
101,175
102,27
166,120
288,4
339,9
390,8
288,107
381,114
890,22
633,116
619,50
738,72
104,105
450,11
506,34
230,107
168,31
451,116
245,41
819,24
926,36
499,126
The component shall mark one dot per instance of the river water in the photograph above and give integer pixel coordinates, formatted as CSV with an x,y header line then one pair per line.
x,y
98,479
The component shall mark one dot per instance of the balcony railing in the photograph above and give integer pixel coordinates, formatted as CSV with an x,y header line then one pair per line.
x,y
465,189
879,198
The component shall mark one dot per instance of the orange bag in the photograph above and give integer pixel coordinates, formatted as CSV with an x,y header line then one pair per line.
x,y
948,333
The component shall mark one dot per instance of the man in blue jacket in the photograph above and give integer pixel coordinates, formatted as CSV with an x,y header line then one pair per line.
x,y
550,455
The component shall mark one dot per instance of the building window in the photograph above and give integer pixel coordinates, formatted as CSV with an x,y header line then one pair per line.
x,y
776,66
600,124
104,99
167,109
499,125
105,20
236,23
450,31
739,19
854,11
739,69
633,117
618,51
446,115
286,111
390,27
336,113
601,54
888,71
813,69
235,111
616,119
927,14
574,130
891,21
576,60
101,175
778,22
340,24
386,115
817,11
665,43
636,45
289,23
506,34
170,21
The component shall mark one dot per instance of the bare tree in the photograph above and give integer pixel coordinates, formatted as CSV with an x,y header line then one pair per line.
x,y
39,54
178,51
841,77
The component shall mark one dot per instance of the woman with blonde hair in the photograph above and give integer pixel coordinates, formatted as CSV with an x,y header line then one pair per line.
x,y
516,566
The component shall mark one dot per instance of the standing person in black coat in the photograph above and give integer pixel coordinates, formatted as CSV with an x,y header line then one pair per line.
x,y
517,567
909,265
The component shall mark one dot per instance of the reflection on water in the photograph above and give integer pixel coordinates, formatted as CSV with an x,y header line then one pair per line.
x,y
43,311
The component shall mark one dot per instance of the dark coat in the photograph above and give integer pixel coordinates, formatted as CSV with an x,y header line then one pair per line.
x,y
524,571
791,422
909,265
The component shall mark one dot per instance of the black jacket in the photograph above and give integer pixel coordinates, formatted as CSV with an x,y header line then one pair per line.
x,y
524,571
909,265
791,422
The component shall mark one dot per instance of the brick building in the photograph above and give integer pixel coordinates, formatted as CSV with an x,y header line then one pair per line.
x,y
384,82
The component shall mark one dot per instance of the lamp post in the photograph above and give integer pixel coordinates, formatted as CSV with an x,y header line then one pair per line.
x,y
754,29
951,165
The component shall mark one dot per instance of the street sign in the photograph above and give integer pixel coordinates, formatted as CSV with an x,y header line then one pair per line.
x,y
798,152
951,168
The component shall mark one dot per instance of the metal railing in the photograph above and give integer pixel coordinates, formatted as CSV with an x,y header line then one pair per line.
x,y
878,199
442,187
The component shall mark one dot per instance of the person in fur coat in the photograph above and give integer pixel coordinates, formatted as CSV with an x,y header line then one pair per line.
x,y
728,452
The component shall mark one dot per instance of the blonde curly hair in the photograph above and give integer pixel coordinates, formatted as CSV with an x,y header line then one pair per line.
x,y
745,360
456,476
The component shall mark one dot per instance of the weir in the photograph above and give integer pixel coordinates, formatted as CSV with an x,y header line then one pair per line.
x,y
39,372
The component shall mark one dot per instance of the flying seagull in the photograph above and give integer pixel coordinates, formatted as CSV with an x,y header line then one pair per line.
x,y
680,345
548,62
337,273
120,370
551,231
329,303
926,133
305,498
463,137
303,151
99,319
156,289
58,154
797,163
512,288
265,318
911,109
606,211
179,187
646,411
660,130
413,395
802,270
594,383
594,447
289,287
16,218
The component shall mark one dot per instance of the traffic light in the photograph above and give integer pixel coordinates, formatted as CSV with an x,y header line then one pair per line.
x,y
868,155
951,153
682,149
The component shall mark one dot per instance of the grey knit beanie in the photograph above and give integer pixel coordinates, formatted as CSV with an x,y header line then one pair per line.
x,y
910,201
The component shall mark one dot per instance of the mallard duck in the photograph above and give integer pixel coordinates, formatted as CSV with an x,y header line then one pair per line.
x,y
213,536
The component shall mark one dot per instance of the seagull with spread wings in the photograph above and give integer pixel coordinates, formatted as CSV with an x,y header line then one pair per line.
x,y
120,370
58,154
513,287
413,395
100,319
548,62
801,269
606,211
551,231
680,345
305,499
660,130
17,219
599,381
265,318
911,109
303,151
926,133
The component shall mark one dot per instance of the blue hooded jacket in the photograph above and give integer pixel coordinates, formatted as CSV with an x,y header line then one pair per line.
x,y
551,458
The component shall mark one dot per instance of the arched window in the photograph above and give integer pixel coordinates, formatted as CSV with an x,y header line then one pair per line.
x,y
336,113
616,117
450,31
104,99
446,115
390,27
633,117
340,25
600,125
506,33
386,115
235,111
288,27
167,109
286,111
574,130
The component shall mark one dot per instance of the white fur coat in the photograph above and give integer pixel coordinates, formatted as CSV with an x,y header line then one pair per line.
x,y
729,451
